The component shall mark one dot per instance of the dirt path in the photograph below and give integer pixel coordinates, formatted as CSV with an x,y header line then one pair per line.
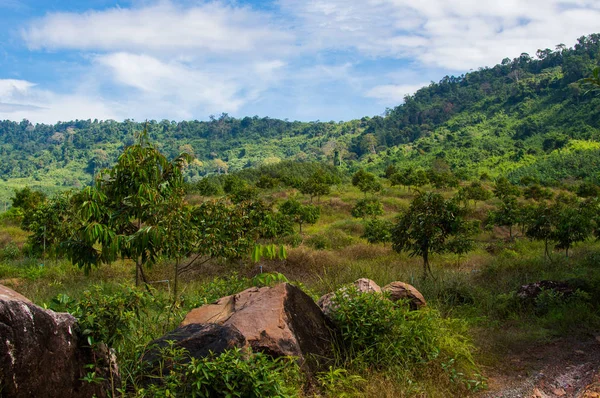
x,y
564,368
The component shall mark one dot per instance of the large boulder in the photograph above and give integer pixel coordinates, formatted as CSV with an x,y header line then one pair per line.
x,y
363,285
279,321
41,354
404,291
7,294
200,340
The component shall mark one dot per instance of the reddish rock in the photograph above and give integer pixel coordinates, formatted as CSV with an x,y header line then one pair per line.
x,y
279,321
401,290
41,354
7,294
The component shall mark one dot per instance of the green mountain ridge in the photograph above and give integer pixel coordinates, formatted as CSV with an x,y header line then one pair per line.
x,y
528,116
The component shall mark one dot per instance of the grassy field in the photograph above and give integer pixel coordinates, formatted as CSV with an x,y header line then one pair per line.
x,y
473,296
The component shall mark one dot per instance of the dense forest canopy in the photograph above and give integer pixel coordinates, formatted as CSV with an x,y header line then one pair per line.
x,y
525,116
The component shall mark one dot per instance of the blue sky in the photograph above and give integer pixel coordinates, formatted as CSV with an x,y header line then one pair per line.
x,y
295,59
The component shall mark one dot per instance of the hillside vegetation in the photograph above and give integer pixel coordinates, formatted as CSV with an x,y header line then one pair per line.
x,y
523,116
473,188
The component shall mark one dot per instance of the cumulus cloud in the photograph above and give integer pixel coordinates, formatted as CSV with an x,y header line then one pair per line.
x,y
393,94
188,59
163,28
451,34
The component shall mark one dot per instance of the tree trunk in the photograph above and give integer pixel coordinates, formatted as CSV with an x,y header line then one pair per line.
x,y
175,280
426,264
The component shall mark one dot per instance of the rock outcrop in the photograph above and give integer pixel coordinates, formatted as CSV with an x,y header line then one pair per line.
x,y
42,356
199,340
279,321
404,291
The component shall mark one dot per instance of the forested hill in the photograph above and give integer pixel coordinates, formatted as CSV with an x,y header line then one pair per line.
x,y
529,115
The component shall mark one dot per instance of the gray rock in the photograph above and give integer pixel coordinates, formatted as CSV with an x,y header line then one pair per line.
x,y
41,354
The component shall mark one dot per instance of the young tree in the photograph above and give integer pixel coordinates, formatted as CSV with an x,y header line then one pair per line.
x,y
573,223
366,182
540,224
507,214
504,188
128,212
49,223
432,225
378,231
28,199
368,207
301,214
475,192
318,184
537,193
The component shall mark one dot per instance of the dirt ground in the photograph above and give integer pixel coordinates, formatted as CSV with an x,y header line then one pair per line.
x,y
564,368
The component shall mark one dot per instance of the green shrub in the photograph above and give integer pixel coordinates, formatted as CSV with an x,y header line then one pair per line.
x,y
10,252
378,231
367,207
339,239
234,373
217,288
105,317
319,242
293,240
379,334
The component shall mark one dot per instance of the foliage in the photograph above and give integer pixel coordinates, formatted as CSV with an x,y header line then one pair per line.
x,y
134,211
507,214
378,231
503,189
49,223
28,199
234,373
432,225
537,193
475,192
367,207
366,182
377,333
301,214
269,252
104,317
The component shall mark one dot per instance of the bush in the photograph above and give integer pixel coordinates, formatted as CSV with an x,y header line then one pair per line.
x,y
234,373
378,231
368,207
10,252
319,242
333,239
104,317
379,334
217,288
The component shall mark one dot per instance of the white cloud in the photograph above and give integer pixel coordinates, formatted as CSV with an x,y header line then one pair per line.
x,y
188,59
452,34
164,28
393,94
21,99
